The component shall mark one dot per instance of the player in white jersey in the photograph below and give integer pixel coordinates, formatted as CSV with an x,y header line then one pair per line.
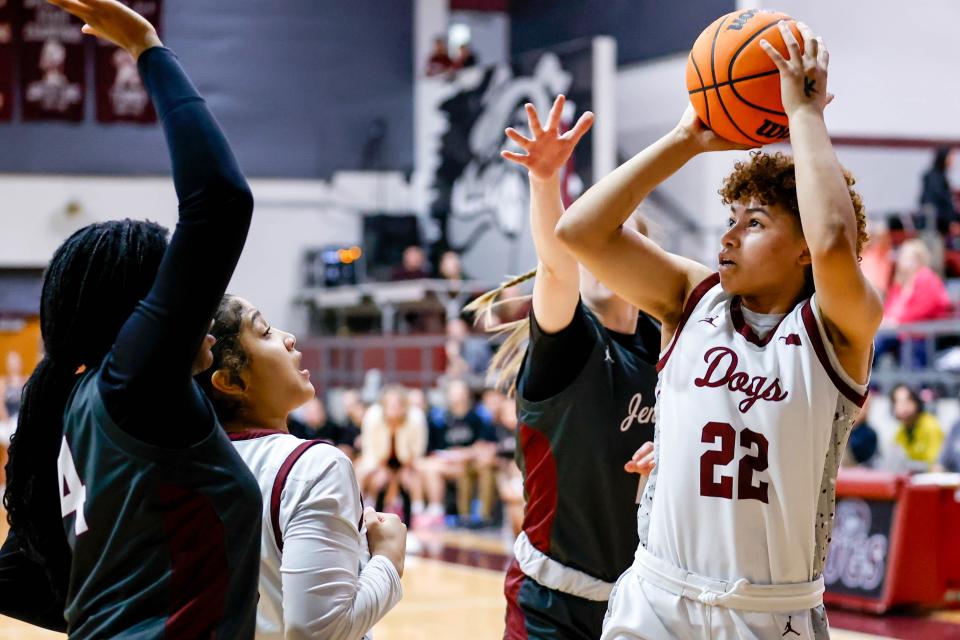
x,y
764,366
317,576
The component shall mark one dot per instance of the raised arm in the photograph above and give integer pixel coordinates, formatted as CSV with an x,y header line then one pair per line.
x,y
146,379
629,264
556,289
850,305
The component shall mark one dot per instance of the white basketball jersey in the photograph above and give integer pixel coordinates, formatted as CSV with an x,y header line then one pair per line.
x,y
750,433
271,456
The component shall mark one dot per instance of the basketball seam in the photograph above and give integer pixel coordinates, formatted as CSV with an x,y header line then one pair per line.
x,y
706,102
733,60
729,82
713,70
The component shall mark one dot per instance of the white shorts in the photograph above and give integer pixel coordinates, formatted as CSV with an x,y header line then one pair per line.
x,y
640,610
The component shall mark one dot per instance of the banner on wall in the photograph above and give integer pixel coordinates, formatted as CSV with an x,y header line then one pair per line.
x,y
480,201
121,96
6,59
51,63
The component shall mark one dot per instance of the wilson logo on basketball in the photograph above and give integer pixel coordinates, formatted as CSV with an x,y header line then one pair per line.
x,y
722,372
771,129
742,20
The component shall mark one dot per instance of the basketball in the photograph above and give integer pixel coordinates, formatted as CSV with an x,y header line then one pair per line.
x,y
733,84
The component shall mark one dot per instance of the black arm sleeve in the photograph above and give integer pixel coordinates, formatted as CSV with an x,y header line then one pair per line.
x,y
554,360
25,591
146,379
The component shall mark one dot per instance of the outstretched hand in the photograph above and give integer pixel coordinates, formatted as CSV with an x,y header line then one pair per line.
x,y
114,22
547,150
803,74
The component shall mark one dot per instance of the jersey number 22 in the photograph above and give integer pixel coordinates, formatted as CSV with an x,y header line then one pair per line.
x,y
749,464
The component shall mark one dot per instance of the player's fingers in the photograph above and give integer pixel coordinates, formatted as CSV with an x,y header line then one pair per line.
x,y
519,138
370,517
90,31
583,125
519,158
823,56
810,42
534,120
774,55
830,98
73,6
793,47
553,120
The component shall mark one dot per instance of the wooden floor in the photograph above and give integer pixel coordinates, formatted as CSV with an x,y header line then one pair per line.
x,y
441,600
451,600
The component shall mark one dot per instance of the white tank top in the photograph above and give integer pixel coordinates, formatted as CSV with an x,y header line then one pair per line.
x,y
750,433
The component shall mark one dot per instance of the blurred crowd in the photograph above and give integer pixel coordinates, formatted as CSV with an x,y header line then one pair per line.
x,y
438,457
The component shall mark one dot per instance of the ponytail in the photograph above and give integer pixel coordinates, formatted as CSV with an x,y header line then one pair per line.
x,y
505,364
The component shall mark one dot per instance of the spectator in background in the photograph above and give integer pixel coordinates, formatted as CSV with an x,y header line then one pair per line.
x,y
414,265
467,354
468,453
876,259
936,192
465,57
439,61
12,384
919,435
451,268
394,439
311,422
917,293
353,410
509,478
950,458
862,445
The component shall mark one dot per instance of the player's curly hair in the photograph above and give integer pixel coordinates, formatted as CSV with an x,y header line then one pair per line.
x,y
228,354
770,179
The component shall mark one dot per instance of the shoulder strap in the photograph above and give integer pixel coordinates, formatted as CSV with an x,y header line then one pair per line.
x,y
279,482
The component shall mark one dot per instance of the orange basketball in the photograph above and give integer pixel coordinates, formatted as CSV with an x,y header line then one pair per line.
x,y
733,84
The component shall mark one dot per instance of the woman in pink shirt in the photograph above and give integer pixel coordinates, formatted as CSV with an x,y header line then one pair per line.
x,y
916,294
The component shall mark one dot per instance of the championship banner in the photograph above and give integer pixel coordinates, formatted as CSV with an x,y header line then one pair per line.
x,y
51,63
6,59
121,96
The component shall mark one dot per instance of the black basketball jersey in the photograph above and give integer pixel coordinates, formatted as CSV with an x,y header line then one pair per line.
x,y
581,504
166,542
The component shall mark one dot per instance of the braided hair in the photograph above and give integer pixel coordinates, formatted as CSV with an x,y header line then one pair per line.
x,y
94,281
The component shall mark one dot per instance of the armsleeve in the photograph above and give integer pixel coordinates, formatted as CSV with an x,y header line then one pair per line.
x,y
325,594
27,594
155,349
554,360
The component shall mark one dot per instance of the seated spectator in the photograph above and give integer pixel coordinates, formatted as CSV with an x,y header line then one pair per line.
x,y
451,268
936,193
916,294
12,384
468,453
354,410
465,57
862,445
394,439
950,458
439,61
489,405
311,422
876,260
467,354
509,478
919,435
414,265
